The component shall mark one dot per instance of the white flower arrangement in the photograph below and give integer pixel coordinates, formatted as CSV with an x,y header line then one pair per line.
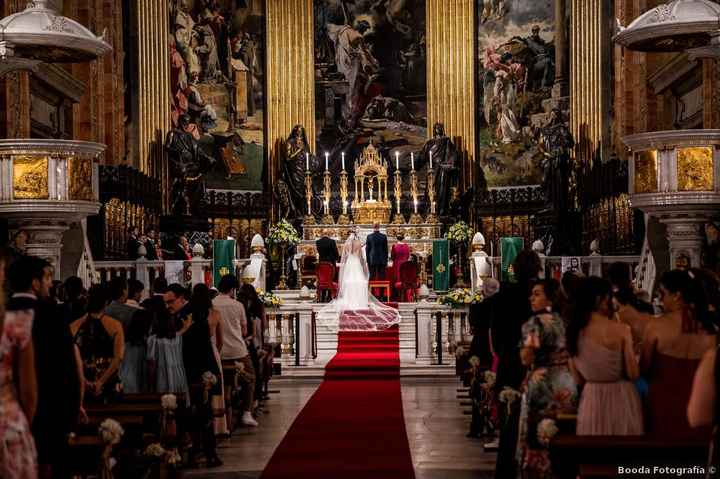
x,y
209,379
169,402
474,361
111,431
508,395
546,430
155,450
283,232
460,232
489,379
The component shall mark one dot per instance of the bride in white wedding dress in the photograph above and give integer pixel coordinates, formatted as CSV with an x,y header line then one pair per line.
x,y
355,309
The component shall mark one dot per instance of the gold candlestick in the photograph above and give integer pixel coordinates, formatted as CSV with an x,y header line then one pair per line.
x,y
415,218
344,219
399,218
327,193
309,218
431,218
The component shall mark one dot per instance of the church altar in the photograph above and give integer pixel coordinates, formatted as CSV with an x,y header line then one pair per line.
x,y
371,204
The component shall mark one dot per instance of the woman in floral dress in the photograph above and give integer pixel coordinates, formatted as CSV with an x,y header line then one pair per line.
x,y
18,458
549,387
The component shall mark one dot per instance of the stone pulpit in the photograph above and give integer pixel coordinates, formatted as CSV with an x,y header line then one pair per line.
x,y
371,202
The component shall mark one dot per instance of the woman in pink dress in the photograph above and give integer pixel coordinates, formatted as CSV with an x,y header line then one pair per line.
x,y
673,347
400,254
18,393
602,358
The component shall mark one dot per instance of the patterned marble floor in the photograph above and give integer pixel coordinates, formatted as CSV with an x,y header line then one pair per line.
x,y
434,420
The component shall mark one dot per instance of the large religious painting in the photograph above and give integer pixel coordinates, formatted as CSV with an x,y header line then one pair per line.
x,y
516,73
217,79
370,58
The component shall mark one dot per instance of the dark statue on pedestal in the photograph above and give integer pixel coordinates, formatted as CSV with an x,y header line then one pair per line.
x,y
556,144
187,164
290,190
445,161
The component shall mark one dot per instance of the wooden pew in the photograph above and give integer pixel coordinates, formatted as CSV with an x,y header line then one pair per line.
x,y
600,456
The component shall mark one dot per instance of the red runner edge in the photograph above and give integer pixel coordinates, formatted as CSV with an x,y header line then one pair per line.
x,y
353,426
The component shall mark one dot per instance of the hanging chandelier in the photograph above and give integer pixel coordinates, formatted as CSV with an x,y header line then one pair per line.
x,y
39,34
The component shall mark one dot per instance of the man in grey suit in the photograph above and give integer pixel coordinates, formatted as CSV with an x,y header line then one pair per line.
x,y
376,251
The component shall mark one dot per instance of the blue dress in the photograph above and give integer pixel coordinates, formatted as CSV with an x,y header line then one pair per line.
x,y
168,358
133,369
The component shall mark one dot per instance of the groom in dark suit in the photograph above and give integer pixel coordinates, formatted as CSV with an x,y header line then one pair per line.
x,y
327,249
376,251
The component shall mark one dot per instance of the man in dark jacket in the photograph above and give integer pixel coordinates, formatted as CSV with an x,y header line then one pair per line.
x,y
376,251
327,249
59,387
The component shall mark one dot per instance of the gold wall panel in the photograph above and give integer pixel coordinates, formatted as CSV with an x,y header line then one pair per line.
x,y
590,65
451,75
290,74
79,171
646,172
30,178
153,85
695,169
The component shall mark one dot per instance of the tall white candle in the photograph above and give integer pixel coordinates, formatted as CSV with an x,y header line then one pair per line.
x,y
326,160
431,160
412,160
343,160
307,161
397,160
415,201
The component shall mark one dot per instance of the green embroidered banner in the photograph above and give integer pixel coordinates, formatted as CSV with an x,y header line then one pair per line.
x,y
509,249
223,257
441,265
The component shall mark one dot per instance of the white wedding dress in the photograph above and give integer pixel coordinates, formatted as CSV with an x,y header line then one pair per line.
x,y
355,309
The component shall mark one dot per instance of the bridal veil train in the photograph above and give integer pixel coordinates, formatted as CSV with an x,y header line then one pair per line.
x,y
355,309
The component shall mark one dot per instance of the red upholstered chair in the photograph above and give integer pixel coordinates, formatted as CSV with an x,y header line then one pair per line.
x,y
325,274
408,283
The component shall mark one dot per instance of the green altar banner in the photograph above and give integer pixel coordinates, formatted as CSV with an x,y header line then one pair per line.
x,y
509,249
223,257
441,265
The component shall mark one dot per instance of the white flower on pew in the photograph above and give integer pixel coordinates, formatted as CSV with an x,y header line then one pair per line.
x,y
173,456
169,402
155,450
111,431
489,379
546,430
209,379
474,361
459,352
509,395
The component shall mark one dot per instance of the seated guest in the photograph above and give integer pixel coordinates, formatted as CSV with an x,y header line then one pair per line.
x,y
673,347
166,371
549,388
59,386
235,349
135,292
101,341
198,359
603,360
117,309
133,372
18,390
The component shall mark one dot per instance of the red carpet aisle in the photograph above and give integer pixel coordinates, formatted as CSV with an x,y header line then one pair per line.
x,y
353,426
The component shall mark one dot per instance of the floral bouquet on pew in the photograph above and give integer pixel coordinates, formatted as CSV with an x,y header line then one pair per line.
x,y
269,299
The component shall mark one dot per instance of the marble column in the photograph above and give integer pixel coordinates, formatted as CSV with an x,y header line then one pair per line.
x,y
306,336
560,88
425,318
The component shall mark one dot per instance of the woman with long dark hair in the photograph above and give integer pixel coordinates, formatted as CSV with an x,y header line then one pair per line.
x,y
602,358
199,359
673,347
549,387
